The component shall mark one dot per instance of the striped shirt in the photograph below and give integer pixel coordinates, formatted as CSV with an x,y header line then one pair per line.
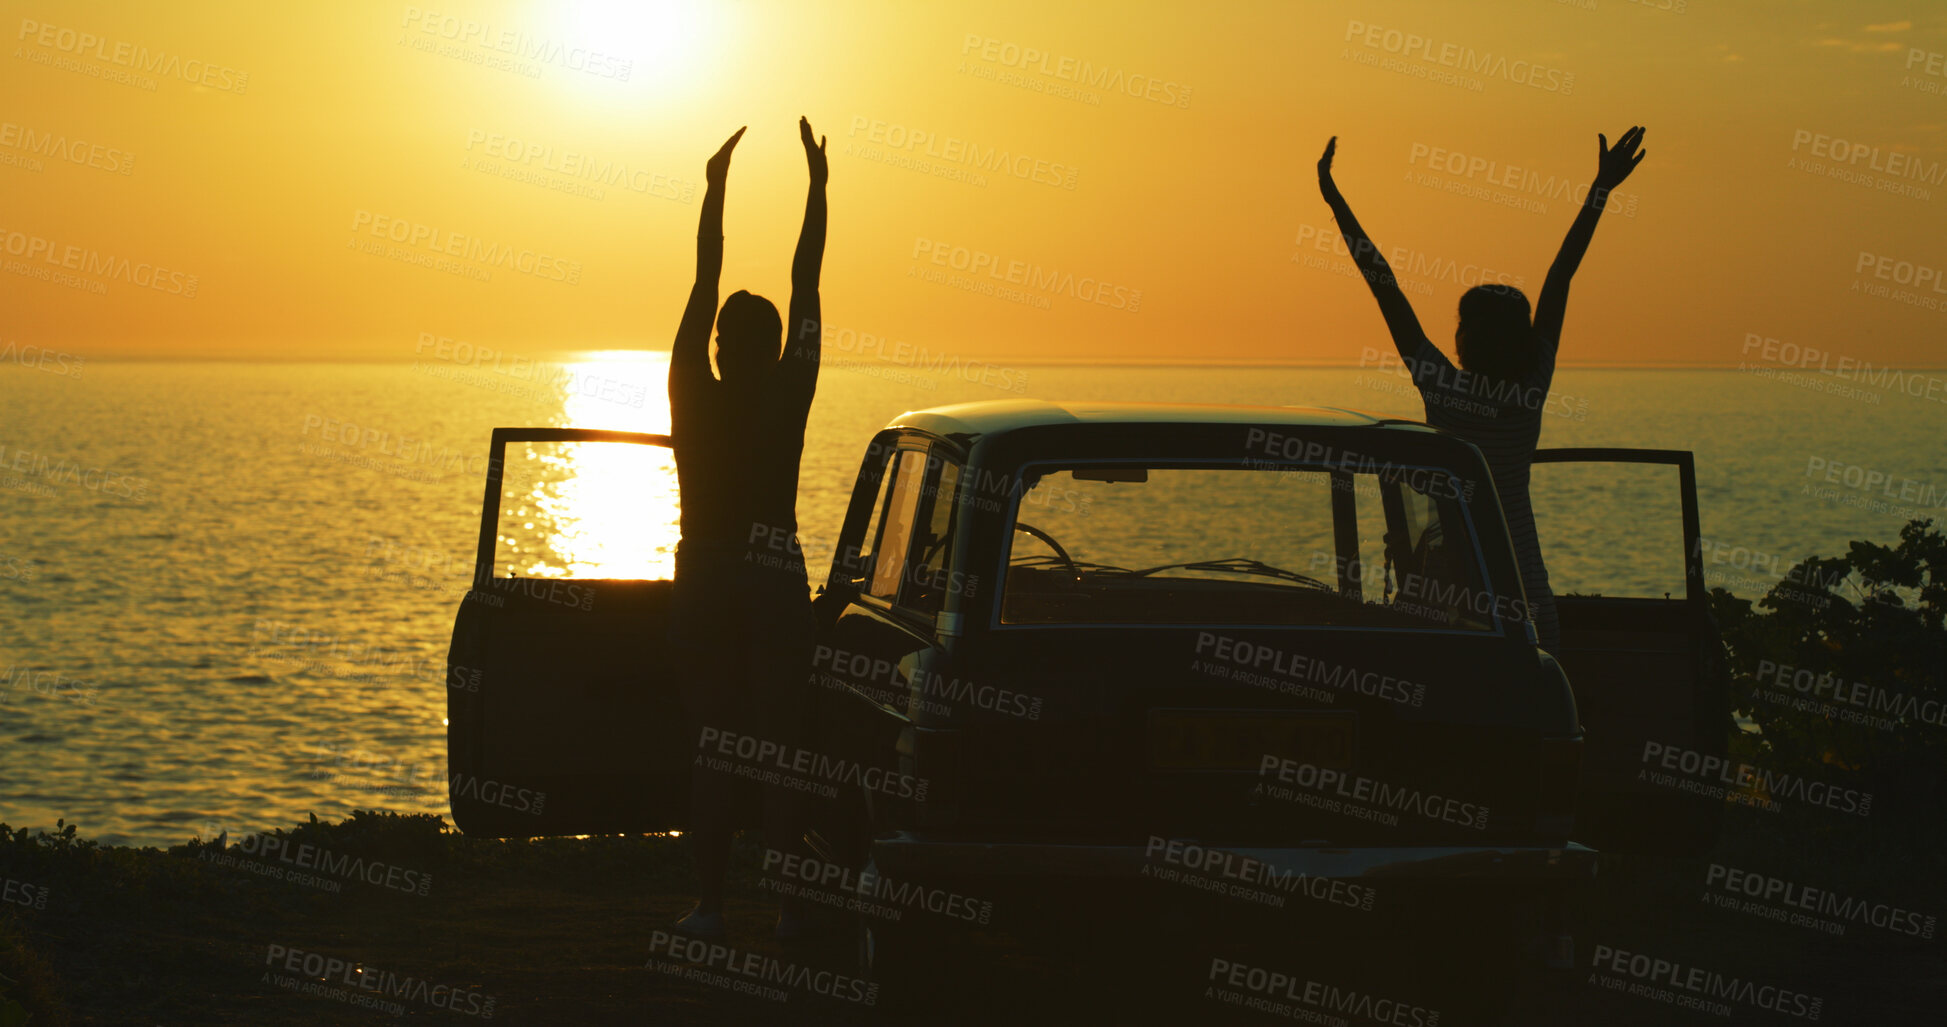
x,y
1502,418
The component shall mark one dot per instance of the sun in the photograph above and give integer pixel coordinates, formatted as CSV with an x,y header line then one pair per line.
x,y
664,41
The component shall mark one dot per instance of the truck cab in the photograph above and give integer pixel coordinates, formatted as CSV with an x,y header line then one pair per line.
x,y
1058,637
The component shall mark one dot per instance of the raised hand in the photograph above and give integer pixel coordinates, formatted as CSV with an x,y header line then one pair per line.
x,y
1616,162
718,168
814,152
807,263
1324,174
1404,325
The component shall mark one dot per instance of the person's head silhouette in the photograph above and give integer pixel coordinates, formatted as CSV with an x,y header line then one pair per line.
x,y
1496,336
749,338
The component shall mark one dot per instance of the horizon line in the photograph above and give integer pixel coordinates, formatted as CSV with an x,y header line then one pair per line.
x,y
570,357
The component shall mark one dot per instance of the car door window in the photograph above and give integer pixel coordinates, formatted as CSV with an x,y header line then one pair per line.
x,y
1437,575
858,564
1372,576
891,538
927,586
1229,544
1616,529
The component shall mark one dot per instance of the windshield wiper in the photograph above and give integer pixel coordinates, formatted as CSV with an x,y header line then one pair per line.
x,y
1241,565
1079,565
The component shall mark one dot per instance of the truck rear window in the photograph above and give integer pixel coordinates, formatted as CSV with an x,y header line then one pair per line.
x,y
1128,543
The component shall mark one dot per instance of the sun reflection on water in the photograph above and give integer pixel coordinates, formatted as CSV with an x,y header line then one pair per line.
x,y
598,509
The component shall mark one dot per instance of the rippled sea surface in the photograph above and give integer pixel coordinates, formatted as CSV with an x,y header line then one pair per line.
x,y
227,588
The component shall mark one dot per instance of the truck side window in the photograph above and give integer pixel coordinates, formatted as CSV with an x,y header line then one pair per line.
x,y
890,538
928,584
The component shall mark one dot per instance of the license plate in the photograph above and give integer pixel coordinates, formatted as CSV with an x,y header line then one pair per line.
x,y
1239,740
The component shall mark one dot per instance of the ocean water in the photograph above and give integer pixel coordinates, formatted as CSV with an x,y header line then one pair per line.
x,y
227,587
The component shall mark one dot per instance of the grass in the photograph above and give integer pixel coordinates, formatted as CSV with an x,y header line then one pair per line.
x,y
152,934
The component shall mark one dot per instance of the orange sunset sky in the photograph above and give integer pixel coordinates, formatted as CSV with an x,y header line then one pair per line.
x,y
1107,181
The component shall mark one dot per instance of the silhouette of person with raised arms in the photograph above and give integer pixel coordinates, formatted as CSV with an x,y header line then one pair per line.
x,y
742,616
1494,398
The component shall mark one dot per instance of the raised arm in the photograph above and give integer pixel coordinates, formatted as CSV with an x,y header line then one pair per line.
x,y
1393,305
805,330
1615,164
689,359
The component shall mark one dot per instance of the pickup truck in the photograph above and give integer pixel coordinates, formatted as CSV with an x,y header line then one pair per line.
x,y
1063,644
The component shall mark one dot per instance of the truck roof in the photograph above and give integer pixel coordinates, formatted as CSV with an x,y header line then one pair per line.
x,y
992,417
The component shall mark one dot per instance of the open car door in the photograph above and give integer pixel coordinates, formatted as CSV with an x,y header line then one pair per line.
x,y
1619,529
564,715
